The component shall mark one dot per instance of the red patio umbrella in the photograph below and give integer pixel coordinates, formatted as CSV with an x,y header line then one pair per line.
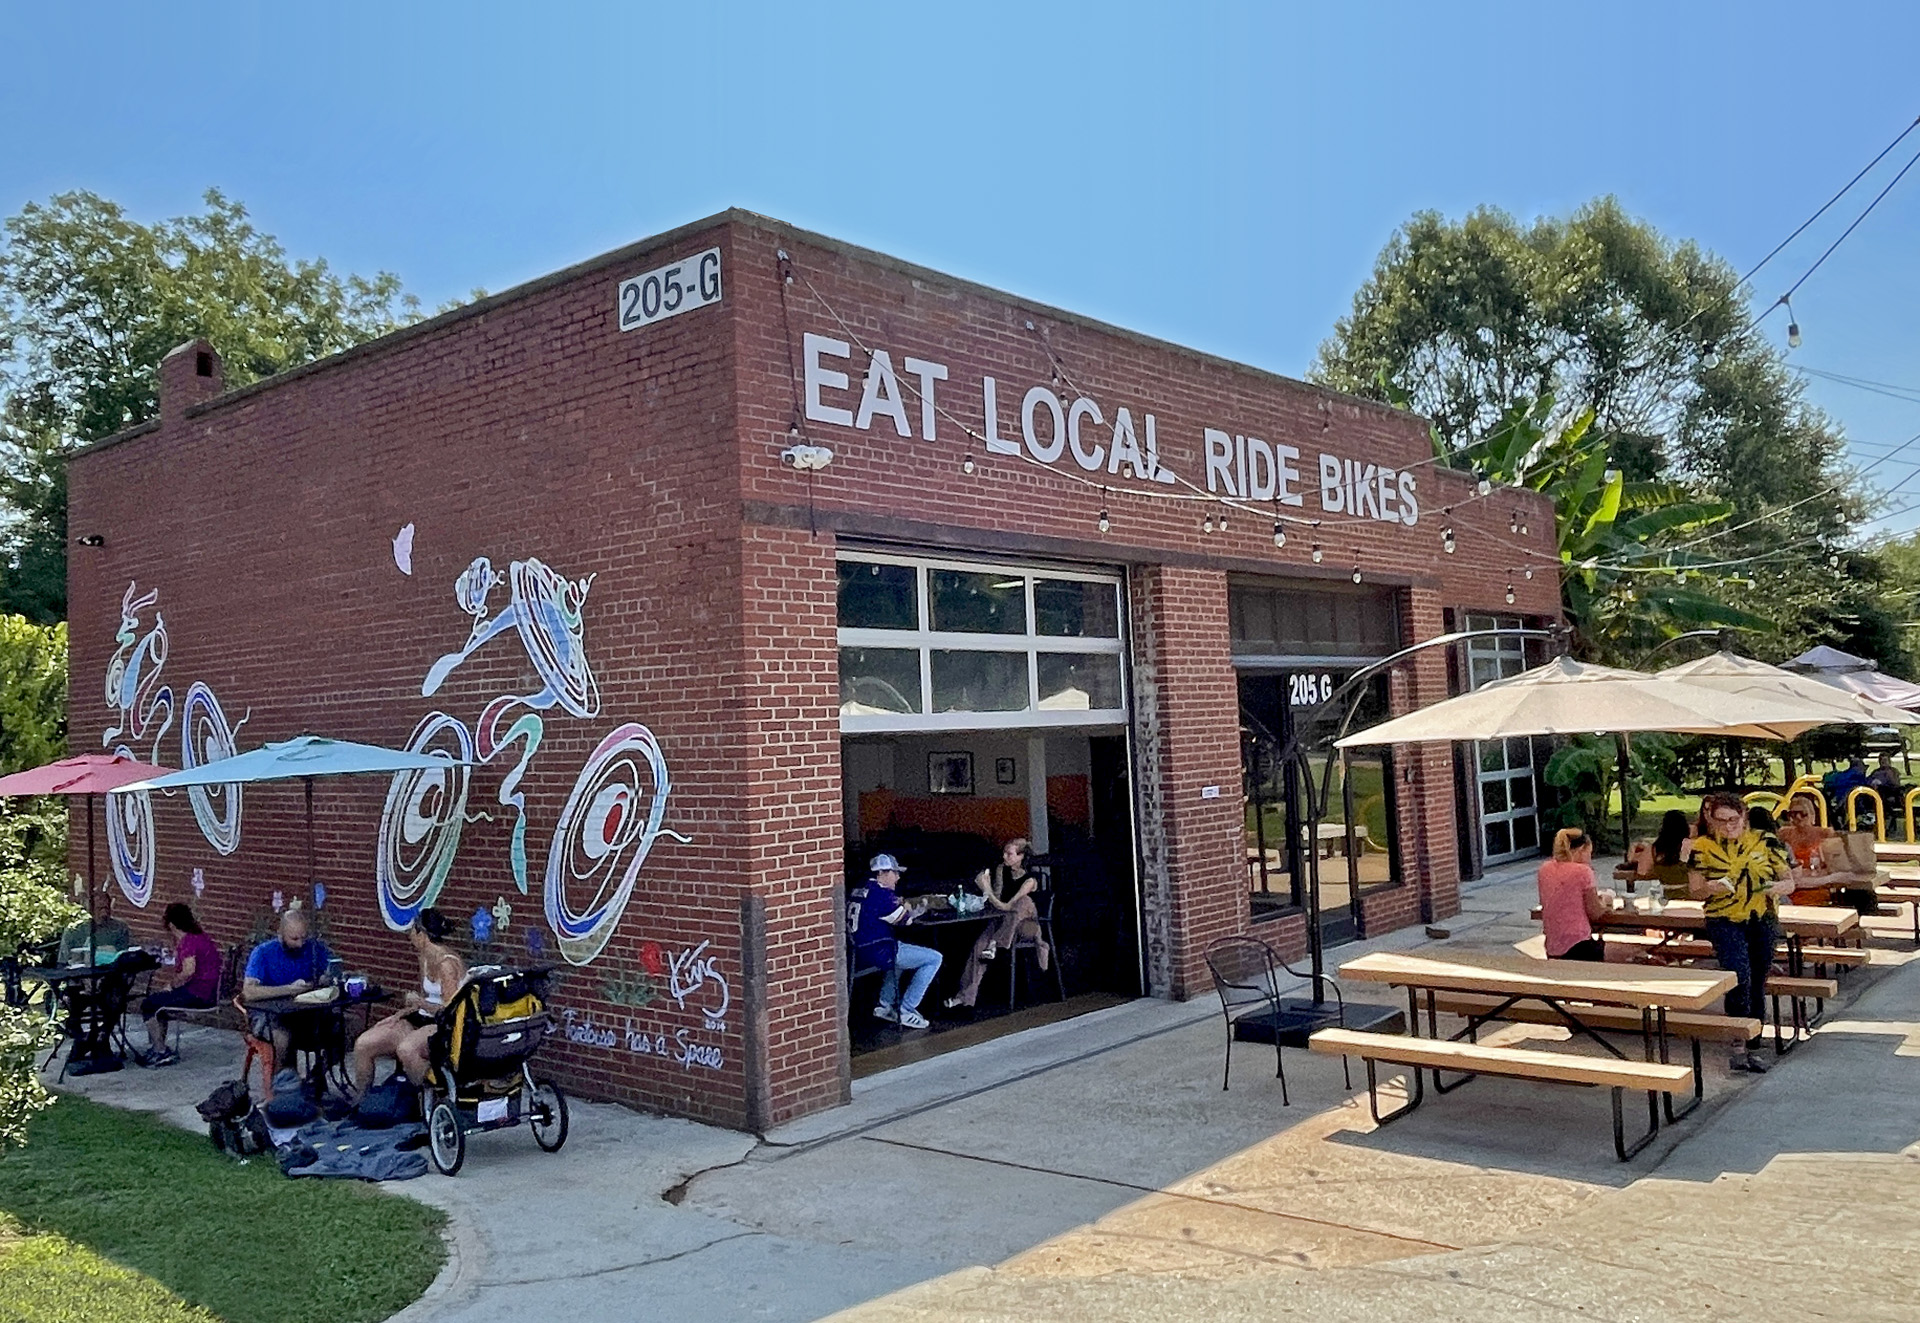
x,y
88,775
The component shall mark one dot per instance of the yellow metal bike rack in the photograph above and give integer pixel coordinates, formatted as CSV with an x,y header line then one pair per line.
x,y
1912,795
1879,811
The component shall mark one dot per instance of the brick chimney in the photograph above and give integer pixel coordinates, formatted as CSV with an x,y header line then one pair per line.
x,y
188,375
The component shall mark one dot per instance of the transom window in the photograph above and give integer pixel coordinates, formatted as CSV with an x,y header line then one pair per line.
x,y
942,645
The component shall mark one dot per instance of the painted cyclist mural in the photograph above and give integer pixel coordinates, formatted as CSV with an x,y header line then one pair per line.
x,y
619,800
145,710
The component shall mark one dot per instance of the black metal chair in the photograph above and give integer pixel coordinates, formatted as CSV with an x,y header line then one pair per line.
x,y
1043,921
221,1010
1246,974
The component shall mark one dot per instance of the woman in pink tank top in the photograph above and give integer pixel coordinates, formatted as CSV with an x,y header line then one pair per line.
x,y
1569,900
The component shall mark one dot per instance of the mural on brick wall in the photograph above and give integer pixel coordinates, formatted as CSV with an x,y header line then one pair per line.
x,y
145,709
619,799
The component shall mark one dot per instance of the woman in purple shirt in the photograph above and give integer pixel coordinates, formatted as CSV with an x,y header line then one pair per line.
x,y
192,984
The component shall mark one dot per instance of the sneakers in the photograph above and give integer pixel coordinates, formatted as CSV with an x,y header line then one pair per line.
x,y
885,1012
1748,1062
913,1020
163,1056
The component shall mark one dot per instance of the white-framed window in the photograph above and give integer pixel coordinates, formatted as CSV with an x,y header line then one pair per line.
x,y
929,643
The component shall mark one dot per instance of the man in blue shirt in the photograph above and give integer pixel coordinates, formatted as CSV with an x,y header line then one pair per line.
x,y
288,965
877,911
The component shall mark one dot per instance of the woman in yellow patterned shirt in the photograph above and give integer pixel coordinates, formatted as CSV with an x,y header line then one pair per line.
x,y
1740,872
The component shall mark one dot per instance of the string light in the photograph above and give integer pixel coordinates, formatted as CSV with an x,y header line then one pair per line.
x,y
1446,539
1529,571
1105,523
1793,324
966,466
1513,522
1356,574
1318,555
1485,484
1279,535
1523,528
1509,594
1206,525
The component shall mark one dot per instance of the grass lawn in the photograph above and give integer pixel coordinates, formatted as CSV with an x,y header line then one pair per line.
x,y
108,1215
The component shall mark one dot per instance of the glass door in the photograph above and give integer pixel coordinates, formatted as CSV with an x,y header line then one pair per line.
x,y
1509,816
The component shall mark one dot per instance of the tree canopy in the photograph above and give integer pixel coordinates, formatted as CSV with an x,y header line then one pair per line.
x,y
1639,363
91,300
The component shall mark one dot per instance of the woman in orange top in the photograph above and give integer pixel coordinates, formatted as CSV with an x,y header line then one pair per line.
x,y
1803,836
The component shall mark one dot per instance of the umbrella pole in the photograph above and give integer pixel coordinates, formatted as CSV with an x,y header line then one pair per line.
x,y
1626,820
308,782
92,954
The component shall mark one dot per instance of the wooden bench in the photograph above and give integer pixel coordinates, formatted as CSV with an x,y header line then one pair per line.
x,y
1655,1077
1797,991
1693,948
1694,1026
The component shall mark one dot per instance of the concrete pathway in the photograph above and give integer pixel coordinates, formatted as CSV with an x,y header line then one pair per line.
x,y
1095,1169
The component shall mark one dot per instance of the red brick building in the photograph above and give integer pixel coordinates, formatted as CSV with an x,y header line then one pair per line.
x,y
1035,590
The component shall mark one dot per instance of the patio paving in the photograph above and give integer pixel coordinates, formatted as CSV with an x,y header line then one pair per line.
x,y
1094,1169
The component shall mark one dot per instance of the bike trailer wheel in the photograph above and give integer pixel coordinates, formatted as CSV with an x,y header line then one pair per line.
x,y
547,1112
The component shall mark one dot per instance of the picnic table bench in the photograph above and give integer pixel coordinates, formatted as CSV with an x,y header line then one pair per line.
x,y
1587,997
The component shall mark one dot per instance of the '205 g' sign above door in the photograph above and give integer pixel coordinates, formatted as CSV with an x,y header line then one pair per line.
x,y
653,296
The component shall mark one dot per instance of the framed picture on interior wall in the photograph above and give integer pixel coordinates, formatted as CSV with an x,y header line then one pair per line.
x,y
950,773
1003,771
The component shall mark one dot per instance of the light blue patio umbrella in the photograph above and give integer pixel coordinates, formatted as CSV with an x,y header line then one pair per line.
x,y
301,758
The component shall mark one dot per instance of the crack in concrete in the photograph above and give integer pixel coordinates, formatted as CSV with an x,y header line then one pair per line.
x,y
1168,1194
619,1267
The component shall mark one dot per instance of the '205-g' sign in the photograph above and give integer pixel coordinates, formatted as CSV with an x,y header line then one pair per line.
x,y
653,296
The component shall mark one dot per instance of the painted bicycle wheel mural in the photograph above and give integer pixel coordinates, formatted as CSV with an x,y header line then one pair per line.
x,y
420,824
206,737
603,837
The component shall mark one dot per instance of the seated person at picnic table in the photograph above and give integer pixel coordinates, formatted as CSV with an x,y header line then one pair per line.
x,y
1843,780
110,936
1569,900
1807,862
406,1036
877,910
1666,858
288,965
1008,887
1739,873
191,984
1885,782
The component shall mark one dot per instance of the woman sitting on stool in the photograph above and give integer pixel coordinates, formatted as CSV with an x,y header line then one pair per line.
x,y
405,1036
1009,888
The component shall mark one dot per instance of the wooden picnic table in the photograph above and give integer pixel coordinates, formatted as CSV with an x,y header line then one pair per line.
x,y
1565,987
1904,851
1828,924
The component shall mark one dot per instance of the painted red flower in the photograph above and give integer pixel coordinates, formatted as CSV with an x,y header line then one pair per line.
x,y
651,960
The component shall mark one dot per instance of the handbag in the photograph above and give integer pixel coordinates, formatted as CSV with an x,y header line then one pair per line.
x,y
1850,859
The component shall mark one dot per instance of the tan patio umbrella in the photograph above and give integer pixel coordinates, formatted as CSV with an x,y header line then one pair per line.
x,y
1566,697
1738,675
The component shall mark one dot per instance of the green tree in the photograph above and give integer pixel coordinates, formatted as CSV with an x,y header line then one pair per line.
x,y
91,300
1476,322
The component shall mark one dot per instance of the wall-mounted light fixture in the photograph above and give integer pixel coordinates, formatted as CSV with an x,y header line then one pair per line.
x,y
807,457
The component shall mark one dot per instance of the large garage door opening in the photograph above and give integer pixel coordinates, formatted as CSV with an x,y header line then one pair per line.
x,y
982,704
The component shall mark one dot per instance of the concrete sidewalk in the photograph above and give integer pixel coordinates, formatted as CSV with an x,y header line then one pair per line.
x,y
1095,1169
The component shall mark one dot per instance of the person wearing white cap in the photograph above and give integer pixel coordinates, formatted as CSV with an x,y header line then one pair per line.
x,y
876,912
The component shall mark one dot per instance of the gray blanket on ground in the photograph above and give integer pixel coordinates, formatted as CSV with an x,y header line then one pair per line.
x,y
341,1148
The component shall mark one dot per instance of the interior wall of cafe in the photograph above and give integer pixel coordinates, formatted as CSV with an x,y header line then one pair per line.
x,y
888,779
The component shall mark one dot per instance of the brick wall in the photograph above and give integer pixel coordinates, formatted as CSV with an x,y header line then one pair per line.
x,y
529,427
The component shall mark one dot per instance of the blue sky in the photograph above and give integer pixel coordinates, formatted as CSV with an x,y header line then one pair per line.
x,y
1222,175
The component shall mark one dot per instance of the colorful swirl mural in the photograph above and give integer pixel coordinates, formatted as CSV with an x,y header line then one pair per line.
x,y
145,713
619,798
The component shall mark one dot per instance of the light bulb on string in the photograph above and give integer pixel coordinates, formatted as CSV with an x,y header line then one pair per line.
x,y
1279,535
1509,594
1711,358
1513,523
1223,521
1485,484
966,465
1523,528
1446,539
1356,574
1206,525
1528,571
1318,555
1793,324
1105,523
